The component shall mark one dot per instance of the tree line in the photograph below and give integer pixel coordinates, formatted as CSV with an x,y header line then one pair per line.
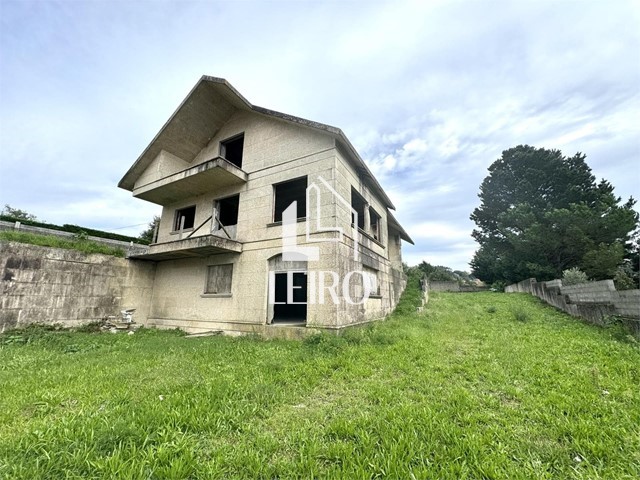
x,y
543,213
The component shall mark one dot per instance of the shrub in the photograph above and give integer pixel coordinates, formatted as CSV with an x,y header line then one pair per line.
x,y
622,280
574,276
520,314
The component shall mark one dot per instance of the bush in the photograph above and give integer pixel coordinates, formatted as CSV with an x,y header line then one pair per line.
x,y
73,229
520,314
622,280
573,276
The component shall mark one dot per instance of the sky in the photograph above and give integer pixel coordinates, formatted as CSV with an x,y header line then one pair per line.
x,y
429,92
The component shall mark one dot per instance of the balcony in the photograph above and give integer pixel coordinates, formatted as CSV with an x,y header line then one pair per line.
x,y
201,246
205,177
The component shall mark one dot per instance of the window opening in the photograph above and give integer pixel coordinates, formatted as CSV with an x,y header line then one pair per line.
x,y
219,279
232,149
288,192
185,218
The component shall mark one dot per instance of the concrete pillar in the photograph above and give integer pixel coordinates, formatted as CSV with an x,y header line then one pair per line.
x,y
367,219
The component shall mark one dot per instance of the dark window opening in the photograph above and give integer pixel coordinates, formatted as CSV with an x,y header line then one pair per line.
x,y
290,312
358,203
288,192
231,150
375,223
185,218
228,210
219,279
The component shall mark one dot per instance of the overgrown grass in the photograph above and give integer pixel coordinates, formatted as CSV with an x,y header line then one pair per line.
x,y
464,390
79,244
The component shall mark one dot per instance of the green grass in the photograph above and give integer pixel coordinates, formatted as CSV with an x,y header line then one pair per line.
x,y
79,244
465,390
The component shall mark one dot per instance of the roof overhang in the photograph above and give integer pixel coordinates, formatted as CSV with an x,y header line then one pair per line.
x,y
395,225
201,114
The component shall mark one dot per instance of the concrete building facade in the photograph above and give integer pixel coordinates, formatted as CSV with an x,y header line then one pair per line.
x,y
226,173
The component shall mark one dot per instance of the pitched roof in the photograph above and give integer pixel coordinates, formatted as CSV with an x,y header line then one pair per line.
x,y
193,124
395,225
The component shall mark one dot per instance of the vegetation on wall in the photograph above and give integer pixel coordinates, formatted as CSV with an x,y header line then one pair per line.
x,y
10,214
542,213
79,242
440,273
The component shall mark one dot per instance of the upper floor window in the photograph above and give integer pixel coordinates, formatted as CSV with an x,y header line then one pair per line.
x,y
228,210
288,192
185,218
375,223
358,203
231,149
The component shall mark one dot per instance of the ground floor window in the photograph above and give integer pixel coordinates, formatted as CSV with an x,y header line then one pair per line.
x,y
370,275
219,279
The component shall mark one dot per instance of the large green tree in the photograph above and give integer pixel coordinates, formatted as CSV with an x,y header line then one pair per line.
x,y
542,213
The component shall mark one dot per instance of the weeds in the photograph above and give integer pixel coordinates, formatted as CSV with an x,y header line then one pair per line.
x,y
79,242
520,314
474,395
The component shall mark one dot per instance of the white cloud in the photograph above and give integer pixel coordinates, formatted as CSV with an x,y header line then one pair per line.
x,y
430,93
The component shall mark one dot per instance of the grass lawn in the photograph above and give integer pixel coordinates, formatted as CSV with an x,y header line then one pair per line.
x,y
482,385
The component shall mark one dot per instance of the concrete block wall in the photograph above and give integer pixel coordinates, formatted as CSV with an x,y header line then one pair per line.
x,y
444,286
49,285
592,301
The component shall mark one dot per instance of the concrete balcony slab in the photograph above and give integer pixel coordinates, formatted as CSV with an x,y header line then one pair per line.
x,y
205,177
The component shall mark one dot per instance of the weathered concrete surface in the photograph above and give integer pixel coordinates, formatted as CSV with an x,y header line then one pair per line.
x,y
50,285
178,169
592,301
444,286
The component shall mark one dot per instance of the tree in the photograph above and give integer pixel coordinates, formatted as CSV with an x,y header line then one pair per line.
x,y
148,234
542,213
18,214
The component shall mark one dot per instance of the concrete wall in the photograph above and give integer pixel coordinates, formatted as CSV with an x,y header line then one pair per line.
x,y
49,285
592,301
128,248
436,286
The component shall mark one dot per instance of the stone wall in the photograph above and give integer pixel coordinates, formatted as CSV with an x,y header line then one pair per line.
x,y
442,286
50,285
129,248
435,286
592,301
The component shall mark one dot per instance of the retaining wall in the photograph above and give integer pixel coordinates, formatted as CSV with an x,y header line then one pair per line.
x,y
129,248
51,285
592,301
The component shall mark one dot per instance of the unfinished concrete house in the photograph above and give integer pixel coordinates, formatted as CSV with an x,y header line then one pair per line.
x,y
228,174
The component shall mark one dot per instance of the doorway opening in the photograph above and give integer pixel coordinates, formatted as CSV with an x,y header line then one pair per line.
x,y
296,311
287,303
